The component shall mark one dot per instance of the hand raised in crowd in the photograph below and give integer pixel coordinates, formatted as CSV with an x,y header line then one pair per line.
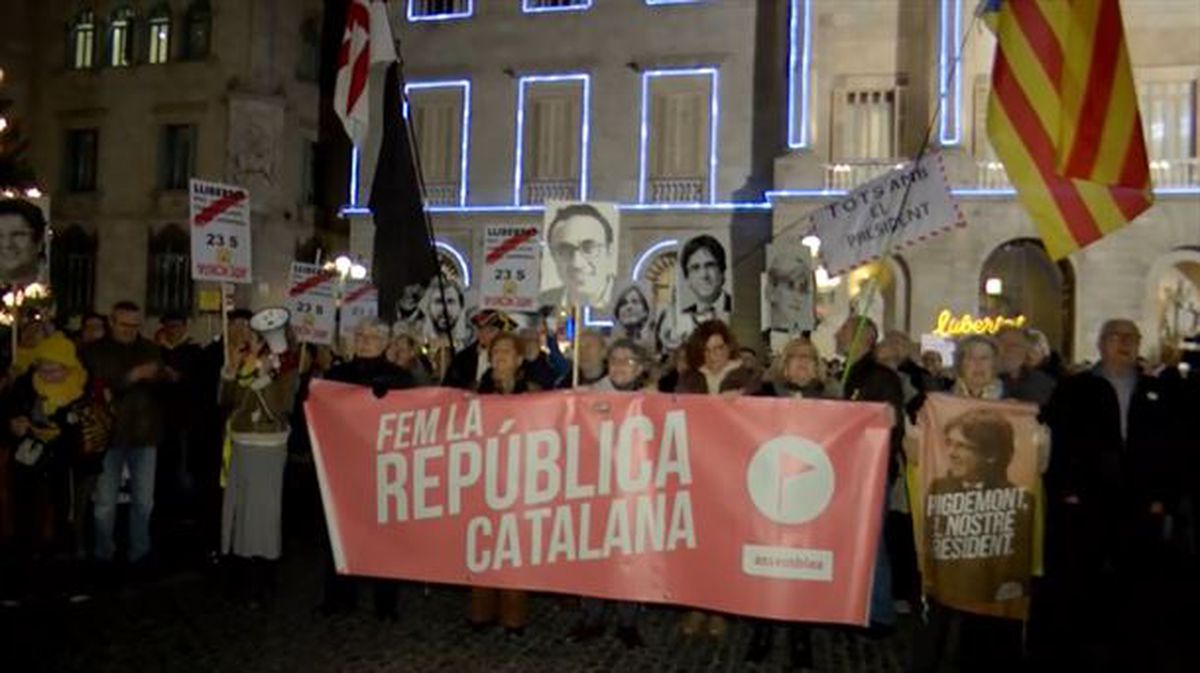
x,y
19,426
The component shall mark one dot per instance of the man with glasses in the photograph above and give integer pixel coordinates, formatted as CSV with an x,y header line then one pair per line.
x,y
129,367
1110,489
581,242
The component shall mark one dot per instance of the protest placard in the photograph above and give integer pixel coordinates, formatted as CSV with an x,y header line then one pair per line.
x,y
869,222
220,227
312,303
511,276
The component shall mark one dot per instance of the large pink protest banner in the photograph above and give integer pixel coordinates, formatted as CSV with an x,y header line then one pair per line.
x,y
756,506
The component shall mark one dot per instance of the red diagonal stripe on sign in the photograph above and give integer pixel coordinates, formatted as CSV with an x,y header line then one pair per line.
x,y
357,294
212,210
509,244
308,284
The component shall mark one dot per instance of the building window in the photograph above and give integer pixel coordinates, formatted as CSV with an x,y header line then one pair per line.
x,y
1168,111
439,10
169,282
440,120
553,136
177,156
73,271
80,161
82,44
867,124
158,43
197,25
540,6
120,38
308,67
679,136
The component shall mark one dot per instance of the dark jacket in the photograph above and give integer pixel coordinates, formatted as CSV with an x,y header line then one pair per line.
x,y
870,381
378,374
182,398
487,386
694,382
814,391
61,431
137,408
1110,475
463,371
1033,385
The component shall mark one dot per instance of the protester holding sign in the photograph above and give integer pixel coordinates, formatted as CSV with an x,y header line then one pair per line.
x,y
509,606
974,480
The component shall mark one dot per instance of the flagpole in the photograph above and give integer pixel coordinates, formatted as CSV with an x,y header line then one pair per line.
x,y
575,346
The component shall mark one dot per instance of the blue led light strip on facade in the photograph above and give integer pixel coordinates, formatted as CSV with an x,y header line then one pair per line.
x,y
799,67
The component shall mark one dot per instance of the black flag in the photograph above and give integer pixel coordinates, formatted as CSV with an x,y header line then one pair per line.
x,y
403,253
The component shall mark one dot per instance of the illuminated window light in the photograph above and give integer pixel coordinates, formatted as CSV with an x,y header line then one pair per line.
x,y
584,131
714,124
530,7
588,322
459,259
799,67
653,3
353,176
465,132
949,73
648,254
414,17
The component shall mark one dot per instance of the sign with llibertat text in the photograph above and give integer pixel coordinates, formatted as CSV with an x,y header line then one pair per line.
x,y
765,507
312,301
220,228
902,208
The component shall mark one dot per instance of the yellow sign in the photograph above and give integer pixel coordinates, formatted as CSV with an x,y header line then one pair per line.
x,y
950,326
209,300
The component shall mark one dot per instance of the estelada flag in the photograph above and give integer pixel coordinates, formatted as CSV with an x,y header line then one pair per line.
x,y
1063,117
367,98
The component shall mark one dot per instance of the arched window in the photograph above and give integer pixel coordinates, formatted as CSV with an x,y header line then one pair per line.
x,y
197,26
158,35
1019,278
308,67
81,43
120,37
1172,309
169,277
73,271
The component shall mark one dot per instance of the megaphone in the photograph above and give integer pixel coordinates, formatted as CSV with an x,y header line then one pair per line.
x,y
271,323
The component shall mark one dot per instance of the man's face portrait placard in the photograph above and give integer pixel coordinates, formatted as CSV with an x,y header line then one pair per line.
x,y
23,238
579,258
703,281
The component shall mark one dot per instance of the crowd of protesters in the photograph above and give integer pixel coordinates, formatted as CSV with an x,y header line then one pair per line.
x,y
200,435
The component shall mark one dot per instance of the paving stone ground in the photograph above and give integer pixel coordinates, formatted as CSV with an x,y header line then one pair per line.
x,y
184,621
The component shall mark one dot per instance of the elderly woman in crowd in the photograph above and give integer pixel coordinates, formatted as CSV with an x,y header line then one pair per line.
x,y
505,377
258,390
627,372
404,351
712,370
797,375
984,642
370,367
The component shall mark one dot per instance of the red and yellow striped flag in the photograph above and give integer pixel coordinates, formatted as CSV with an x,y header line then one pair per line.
x,y
1063,117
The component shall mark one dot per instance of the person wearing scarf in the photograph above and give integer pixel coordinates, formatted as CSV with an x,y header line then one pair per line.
x,y
797,375
984,642
258,389
42,432
508,606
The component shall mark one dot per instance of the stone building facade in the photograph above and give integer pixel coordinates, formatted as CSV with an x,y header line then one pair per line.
x,y
128,99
